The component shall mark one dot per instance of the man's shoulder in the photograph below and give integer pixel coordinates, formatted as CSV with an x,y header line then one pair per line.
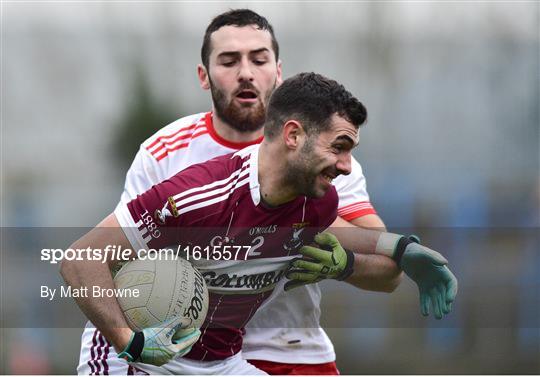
x,y
326,206
181,124
230,163
209,189
229,166
329,199
176,135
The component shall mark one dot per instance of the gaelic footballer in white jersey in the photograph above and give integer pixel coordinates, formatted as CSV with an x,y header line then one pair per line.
x,y
192,140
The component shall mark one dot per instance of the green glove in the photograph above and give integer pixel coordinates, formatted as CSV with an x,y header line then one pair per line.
x,y
319,264
436,283
158,345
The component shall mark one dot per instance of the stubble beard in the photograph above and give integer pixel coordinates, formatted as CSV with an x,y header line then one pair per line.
x,y
248,118
301,172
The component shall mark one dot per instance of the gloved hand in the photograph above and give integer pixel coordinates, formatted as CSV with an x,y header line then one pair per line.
x,y
318,264
158,345
426,267
436,283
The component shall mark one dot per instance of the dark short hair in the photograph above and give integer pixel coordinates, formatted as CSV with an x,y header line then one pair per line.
x,y
236,17
312,99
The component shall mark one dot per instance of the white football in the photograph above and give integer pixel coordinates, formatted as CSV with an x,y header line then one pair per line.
x,y
167,288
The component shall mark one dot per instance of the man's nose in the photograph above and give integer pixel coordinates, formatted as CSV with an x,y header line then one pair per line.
x,y
343,164
246,72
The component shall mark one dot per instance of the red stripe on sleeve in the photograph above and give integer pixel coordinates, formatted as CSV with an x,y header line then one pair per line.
x,y
168,150
160,138
356,210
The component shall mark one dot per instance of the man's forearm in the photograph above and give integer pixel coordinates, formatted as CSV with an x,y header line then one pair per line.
x,y
371,272
375,273
103,312
355,237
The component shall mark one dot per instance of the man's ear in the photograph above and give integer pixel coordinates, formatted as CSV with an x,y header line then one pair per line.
x,y
204,79
293,134
279,79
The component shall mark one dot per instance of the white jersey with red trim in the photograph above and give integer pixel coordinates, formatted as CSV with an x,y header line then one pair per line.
x,y
280,331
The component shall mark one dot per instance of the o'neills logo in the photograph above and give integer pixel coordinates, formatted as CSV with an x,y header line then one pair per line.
x,y
262,281
255,231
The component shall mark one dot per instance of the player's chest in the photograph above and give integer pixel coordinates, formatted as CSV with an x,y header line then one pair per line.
x,y
254,232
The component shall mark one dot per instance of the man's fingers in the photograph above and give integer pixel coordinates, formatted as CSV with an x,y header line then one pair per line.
x,y
187,340
424,304
302,275
444,304
441,303
184,346
315,253
309,266
183,332
439,259
435,302
327,239
451,288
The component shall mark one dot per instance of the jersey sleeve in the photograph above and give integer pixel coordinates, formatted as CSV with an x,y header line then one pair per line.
x,y
353,196
144,172
153,218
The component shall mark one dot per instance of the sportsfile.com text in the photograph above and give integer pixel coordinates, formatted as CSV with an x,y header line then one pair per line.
x,y
117,253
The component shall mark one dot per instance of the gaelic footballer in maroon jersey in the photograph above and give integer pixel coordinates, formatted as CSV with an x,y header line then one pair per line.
x,y
222,195
285,183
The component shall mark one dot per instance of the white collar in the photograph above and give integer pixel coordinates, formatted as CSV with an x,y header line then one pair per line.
x,y
254,186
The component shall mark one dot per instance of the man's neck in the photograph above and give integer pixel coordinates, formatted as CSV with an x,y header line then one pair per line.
x,y
231,134
272,165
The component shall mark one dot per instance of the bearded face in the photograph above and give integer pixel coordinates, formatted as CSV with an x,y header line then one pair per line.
x,y
242,73
306,169
244,109
322,158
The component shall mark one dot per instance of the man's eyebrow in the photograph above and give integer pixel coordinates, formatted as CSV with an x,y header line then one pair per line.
x,y
259,50
234,54
231,54
348,139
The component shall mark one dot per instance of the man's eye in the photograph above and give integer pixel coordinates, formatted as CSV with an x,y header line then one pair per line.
x,y
259,62
228,64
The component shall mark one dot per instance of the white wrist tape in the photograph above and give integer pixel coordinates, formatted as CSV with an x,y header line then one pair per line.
x,y
386,245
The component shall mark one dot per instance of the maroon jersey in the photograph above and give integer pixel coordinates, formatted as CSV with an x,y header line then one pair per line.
x,y
215,204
